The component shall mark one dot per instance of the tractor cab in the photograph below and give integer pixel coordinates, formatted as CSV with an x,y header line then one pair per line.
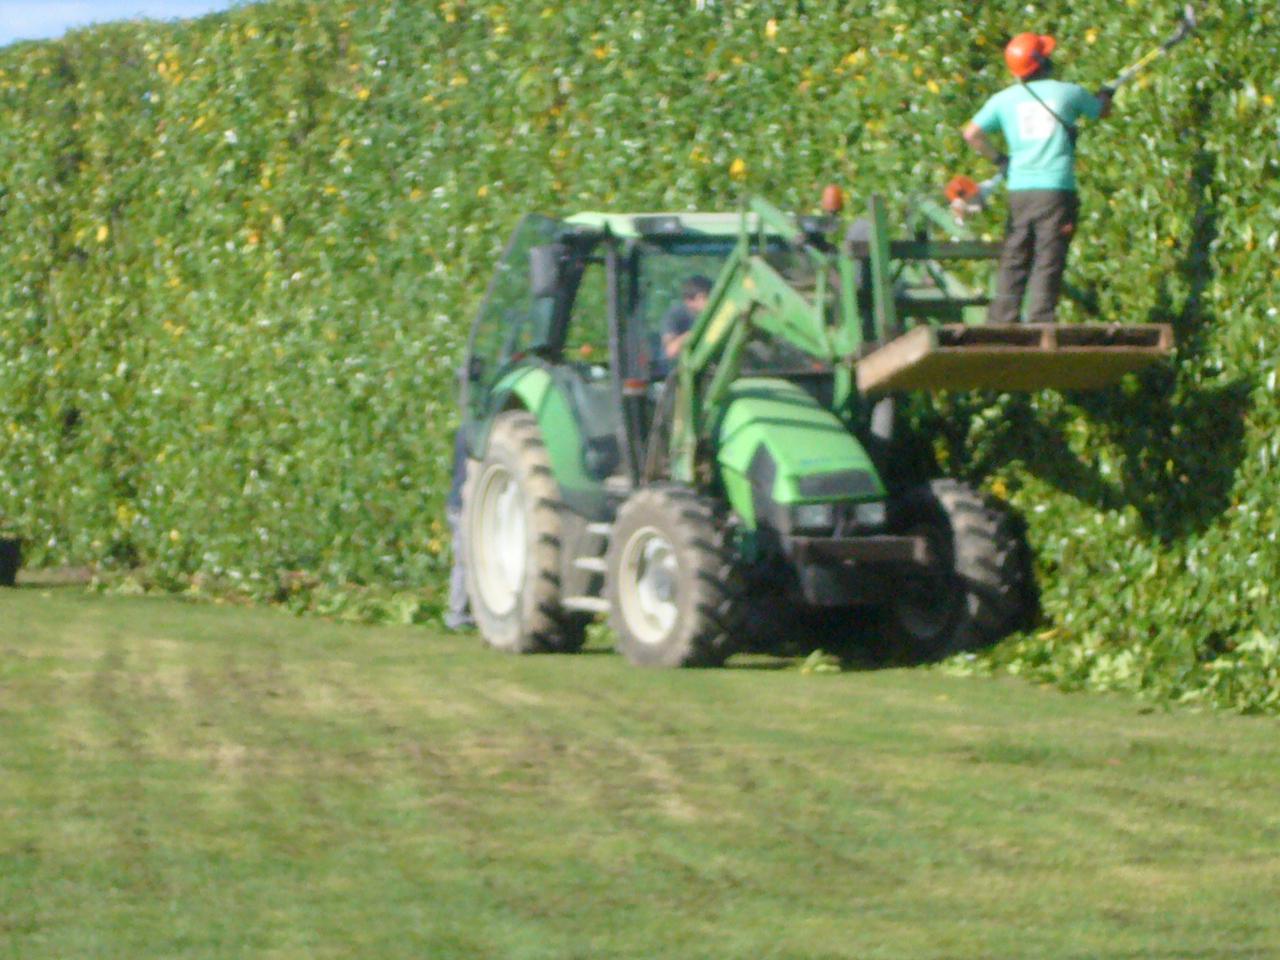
x,y
584,300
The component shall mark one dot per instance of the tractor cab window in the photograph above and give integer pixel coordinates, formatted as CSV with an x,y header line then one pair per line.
x,y
586,343
661,275
774,355
511,320
797,268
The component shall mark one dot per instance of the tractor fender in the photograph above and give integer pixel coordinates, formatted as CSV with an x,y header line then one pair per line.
x,y
536,390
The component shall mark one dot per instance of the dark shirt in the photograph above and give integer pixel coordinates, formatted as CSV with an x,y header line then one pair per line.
x,y
677,320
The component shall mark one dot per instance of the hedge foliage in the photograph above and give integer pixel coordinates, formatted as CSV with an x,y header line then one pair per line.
x,y
239,256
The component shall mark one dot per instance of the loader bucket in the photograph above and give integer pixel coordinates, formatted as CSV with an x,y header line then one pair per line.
x,y
1017,357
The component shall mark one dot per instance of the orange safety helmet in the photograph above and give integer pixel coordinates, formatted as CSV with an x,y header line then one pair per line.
x,y
1027,52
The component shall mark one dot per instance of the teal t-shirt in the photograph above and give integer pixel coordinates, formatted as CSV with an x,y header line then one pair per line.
x,y
1041,156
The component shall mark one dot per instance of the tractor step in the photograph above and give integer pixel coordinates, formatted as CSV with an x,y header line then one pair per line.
x,y
585,604
1013,357
617,486
600,529
593,564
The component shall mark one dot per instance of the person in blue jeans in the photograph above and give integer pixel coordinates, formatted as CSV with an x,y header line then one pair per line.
x,y
458,614
1037,117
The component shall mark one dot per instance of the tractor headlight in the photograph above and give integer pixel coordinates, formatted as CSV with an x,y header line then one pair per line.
x,y
870,514
813,516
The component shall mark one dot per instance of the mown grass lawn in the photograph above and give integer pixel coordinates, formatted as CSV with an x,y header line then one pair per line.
x,y
183,780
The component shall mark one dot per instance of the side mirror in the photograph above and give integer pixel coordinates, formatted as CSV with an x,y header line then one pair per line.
x,y
544,269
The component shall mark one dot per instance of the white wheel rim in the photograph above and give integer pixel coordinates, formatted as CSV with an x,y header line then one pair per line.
x,y
648,587
499,541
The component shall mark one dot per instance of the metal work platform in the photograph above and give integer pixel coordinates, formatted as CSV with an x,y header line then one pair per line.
x,y
1017,357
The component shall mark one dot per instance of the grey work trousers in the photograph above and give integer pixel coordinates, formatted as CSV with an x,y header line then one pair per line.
x,y
458,614
1037,236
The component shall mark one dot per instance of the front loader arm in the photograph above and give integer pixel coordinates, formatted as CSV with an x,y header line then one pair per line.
x,y
749,295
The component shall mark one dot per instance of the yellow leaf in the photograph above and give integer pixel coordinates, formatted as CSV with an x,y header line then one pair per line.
x,y
933,86
483,191
1091,35
738,169
770,29
103,232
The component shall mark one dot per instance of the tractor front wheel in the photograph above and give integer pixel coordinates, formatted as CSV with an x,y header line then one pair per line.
x,y
977,586
674,590
511,530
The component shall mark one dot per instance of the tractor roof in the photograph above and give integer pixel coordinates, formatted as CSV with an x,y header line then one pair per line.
x,y
656,225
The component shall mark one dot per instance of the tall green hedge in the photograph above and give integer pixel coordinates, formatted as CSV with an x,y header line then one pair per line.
x,y
238,259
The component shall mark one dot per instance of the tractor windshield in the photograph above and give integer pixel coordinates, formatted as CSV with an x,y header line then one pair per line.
x,y
510,320
663,269
659,308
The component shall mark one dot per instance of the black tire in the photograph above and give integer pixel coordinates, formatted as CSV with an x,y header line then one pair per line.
x,y
674,589
513,574
976,589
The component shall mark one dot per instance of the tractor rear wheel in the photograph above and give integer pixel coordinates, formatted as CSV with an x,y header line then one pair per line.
x,y
976,587
674,589
512,535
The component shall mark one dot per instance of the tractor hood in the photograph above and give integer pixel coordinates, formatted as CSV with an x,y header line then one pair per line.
x,y
779,447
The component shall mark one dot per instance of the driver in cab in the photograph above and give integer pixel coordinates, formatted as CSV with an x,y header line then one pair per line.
x,y
679,320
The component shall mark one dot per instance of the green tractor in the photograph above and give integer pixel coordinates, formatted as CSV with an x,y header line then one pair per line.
x,y
745,489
